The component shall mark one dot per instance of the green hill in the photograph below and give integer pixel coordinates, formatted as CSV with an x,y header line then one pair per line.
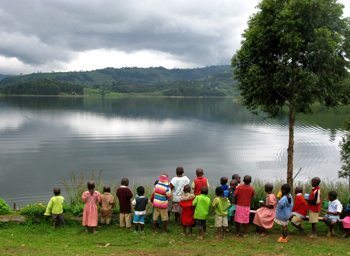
x,y
2,77
208,81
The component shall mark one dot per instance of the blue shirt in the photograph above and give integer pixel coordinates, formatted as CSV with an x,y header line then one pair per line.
x,y
284,208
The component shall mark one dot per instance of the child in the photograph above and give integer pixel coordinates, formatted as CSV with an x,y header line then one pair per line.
x,y
140,204
199,182
346,222
162,194
221,205
314,204
231,198
223,182
124,195
55,208
265,215
91,198
333,214
244,194
187,220
202,205
299,209
283,212
237,178
107,204
177,186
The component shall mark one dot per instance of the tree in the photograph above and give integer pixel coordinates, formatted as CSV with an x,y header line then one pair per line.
x,y
294,53
345,155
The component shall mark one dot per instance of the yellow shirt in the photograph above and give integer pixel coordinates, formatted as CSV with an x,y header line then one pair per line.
x,y
55,206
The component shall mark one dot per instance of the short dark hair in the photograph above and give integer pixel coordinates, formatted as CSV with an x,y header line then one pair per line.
x,y
236,177
247,179
179,171
233,183
187,188
223,180
125,181
106,189
333,194
56,191
90,185
140,190
315,181
285,189
298,189
199,172
219,191
268,187
204,190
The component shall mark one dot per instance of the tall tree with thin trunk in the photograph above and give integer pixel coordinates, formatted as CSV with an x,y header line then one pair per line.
x,y
294,53
345,154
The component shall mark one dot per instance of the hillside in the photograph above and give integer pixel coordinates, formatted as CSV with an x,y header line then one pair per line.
x,y
208,81
2,77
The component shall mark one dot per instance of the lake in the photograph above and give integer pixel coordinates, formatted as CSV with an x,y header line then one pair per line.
x,y
44,139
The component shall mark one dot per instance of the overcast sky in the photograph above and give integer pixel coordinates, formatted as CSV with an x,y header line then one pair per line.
x,y
62,35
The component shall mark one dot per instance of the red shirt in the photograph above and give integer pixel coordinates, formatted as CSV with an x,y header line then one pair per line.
x,y
300,205
315,200
187,212
199,182
244,194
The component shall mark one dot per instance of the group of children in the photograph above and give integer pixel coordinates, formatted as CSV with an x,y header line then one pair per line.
x,y
231,205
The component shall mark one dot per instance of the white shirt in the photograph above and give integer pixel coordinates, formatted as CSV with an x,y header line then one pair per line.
x,y
178,184
335,206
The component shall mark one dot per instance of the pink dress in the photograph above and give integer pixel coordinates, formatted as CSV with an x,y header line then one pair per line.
x,y
264,217
90,213
346,222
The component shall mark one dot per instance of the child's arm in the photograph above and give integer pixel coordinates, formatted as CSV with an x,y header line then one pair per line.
x,y
195,201
49,208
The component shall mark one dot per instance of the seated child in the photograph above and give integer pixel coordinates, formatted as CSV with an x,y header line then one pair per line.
x,y
202,205
223,182
244,194
186,200
124,195
221,205
346,222
91,198
265,215
107,205
333,214
299,209
140,204
283,212
55,208
199,182
314,204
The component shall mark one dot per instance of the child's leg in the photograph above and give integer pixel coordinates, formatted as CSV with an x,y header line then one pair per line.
x,y
165,226
142,227
190,228
204,226
245,229
184,229
313,227
238,228
177,217
284,231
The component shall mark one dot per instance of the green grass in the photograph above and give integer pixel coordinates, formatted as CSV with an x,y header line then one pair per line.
x,y
42,239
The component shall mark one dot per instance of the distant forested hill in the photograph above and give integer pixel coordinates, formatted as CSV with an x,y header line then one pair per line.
x,y
2,77
208,81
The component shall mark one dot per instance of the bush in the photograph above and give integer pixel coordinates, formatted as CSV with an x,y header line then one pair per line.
x,y
77,209
4,207
34,211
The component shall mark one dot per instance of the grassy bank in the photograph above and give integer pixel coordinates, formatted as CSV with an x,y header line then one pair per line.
x,y
42,239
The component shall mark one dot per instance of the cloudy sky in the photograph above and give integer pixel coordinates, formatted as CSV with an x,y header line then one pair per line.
x,y
61,35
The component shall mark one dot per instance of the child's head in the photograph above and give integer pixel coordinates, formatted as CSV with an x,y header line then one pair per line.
x,y
91,185
140,190
125,182
298,190
332,195
315,181
285,189
204,190
187,188
247,179
268,188
179,171
106,189
233,183
223,180
219,191
236,177
199,172
56,191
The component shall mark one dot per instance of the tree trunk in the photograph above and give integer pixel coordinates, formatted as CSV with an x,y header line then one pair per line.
x,y
290,147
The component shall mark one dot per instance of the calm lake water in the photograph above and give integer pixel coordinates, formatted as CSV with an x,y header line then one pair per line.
x,y
43,140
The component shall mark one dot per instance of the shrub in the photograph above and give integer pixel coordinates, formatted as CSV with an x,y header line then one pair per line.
x,y
34,211
77,209
4,207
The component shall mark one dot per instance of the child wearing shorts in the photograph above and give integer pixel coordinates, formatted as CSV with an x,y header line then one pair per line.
x,y
140,204
221,205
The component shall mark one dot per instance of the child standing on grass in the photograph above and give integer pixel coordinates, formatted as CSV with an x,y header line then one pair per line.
x,y
124,195
244,194
162,195
140,204
221,205
55,208
299,209
199,182
202,205
283,212
333,214
314,204
265,215
186,200
107,205
91,198
224,186
232,199
346,222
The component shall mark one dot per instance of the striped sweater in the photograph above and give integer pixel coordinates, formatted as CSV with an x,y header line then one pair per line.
x,y
162,193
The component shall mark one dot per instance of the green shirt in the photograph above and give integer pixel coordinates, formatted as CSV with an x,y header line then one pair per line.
x,y
202,204
221,205
55,206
